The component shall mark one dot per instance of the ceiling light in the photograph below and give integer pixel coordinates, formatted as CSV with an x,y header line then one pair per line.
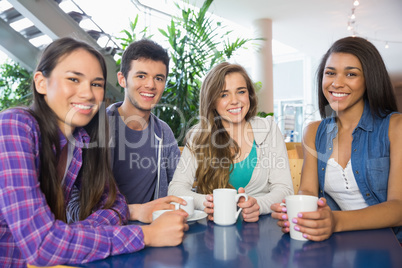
x,y
68,6
4,5
41,40
21,24
353,17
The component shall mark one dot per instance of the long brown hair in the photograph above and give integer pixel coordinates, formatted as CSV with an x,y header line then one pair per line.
x,y
379,90
212,145
96,175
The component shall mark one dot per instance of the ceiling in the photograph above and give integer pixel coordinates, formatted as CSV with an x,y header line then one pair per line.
x,y
311,26
48,19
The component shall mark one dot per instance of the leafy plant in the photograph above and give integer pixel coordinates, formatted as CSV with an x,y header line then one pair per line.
x,y
130,36
197,43
264,114
15,87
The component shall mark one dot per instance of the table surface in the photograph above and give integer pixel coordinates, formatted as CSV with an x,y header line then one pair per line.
x,y
262,244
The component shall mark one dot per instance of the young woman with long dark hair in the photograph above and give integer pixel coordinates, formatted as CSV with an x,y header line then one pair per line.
x,y
57,149
353,156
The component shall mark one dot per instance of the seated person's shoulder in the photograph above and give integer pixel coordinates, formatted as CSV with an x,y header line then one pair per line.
x,y
310,131
111,109
265,123
395,125
311,127
262,119
19,114
164,127
193,132
396,119
163,124
17,118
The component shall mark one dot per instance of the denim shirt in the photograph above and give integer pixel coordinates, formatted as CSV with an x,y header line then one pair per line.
x,y
369,158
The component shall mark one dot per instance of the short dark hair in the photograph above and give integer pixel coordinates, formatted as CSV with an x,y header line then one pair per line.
x,y
379,89
143,49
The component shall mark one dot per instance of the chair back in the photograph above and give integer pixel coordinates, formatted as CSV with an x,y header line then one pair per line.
x,y
295,154
295,172
294,150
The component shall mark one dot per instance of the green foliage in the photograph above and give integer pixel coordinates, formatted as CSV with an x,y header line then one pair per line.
x,y
257,86
197,43
130,36
15,87
264,114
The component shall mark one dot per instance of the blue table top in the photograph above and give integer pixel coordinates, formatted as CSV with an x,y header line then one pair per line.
x,y
262,244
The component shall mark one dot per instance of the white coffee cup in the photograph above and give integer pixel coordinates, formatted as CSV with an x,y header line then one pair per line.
x,y
157,213
296,204
225,205
189,208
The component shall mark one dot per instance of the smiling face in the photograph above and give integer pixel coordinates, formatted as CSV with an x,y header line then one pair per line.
x,y
343,82
144,85
74,90
233,103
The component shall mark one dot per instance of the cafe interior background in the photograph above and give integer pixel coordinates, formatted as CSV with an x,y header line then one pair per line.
x,y
301,32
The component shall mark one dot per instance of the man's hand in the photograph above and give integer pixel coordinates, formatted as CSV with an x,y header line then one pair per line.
x,y
143,212
166,230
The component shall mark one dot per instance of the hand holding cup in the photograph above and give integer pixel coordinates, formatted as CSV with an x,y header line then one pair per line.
x,y
296,204
189,207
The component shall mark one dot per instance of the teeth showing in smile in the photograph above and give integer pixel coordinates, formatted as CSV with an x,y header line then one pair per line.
x,y
82,107
147,95
234,110
339,94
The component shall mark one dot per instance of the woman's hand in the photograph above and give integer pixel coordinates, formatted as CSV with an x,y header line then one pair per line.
x,y
318,225
209,206
143,212
167,230
251,209
279,213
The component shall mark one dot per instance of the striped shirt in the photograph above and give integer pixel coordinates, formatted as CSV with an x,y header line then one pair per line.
x,y
29,232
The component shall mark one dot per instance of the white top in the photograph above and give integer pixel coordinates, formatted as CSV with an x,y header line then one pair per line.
x,y
270,181
341,185
70,152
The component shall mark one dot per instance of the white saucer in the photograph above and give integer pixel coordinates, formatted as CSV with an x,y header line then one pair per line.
x,y
197,215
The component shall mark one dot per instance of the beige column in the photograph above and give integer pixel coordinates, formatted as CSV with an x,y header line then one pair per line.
x,y
264,64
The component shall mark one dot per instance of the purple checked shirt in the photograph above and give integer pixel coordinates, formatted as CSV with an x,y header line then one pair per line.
x,y
29,232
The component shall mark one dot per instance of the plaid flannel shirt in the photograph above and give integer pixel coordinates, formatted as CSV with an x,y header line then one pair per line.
x,y
29,233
